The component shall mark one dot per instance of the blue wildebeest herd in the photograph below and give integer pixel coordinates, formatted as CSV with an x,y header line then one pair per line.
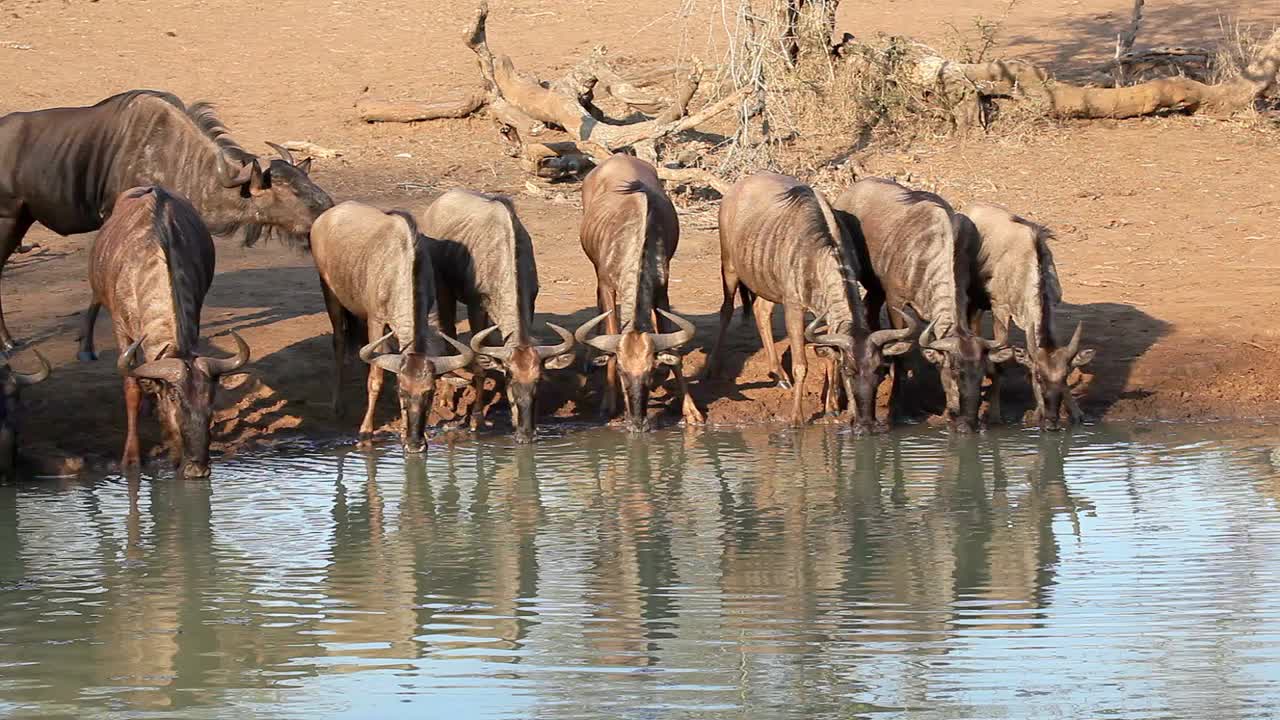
x,y
881,270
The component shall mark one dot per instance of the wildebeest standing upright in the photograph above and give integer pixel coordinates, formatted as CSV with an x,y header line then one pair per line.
x,y
630,231
780,239
1015,278
375,268
11,382
482,256
913,256
152,265
65,167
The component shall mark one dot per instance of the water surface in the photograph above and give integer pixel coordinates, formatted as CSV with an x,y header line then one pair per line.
x,y
1126,572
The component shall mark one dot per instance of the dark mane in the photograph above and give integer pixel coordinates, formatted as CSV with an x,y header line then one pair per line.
x,y
203,116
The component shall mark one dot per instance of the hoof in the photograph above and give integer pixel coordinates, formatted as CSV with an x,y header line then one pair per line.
x,y
9,345
784,384
83,356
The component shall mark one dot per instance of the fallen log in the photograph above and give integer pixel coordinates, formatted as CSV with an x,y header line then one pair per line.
x,y
375,110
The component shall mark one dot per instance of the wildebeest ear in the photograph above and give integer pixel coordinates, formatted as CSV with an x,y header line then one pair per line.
x,y
1002,355
455,381
489,362
304,167
896,348
559,362
934,356
600,360
1082,358
666,358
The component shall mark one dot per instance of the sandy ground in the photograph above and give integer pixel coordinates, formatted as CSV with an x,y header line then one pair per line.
x,y
1166,228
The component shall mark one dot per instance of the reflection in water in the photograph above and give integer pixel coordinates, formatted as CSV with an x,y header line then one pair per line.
x,y
753,573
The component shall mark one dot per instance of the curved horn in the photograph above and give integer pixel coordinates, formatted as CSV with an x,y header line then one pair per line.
x,y
884,337
811,329
220,366
283,152
40,375
666,341
448,363
565,347
391,362
1073,347
947,344
168,370
231,176
503,353
603,343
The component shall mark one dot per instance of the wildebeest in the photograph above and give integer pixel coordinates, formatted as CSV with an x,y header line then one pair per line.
x,y
780,240
65,167
630,231
1015,278
11,382
152,265
482,256
912,255
375,269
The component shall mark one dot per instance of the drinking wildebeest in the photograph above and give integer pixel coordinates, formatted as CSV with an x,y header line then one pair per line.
x,y
151,265
1014,277
65,167
781,242
630,231
375,268
11,382
913,256
482,256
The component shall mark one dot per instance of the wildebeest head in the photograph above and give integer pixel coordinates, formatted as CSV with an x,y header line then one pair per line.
x,y
523,365
184,389
416,375
963,360
11,382
863,362
1050,369
639,354
282,194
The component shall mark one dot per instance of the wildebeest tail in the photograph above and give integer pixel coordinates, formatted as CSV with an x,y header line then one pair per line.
x,y
748,299
421,260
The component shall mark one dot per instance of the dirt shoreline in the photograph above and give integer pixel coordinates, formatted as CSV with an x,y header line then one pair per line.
x,y
1166,228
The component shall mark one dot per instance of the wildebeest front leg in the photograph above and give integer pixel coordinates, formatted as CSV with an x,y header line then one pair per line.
x,y
87,322
1000,328
131,459
799,363
1073,409
689,409
478,320
763,310
15,220
338,318
374,387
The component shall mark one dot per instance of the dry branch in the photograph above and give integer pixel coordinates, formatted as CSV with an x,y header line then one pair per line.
x,y
1022,80
375,110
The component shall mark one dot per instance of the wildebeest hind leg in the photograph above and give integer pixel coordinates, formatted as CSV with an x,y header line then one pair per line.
x,y
730,285
14,223
87,322
478,320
